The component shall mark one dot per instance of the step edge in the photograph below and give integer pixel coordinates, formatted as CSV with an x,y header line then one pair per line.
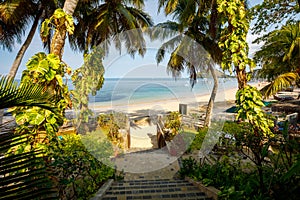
x,y
152,185
210,191
103,189
159,193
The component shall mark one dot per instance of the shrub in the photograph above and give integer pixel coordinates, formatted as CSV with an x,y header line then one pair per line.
x,y
78,173
172,125
111,124
198,140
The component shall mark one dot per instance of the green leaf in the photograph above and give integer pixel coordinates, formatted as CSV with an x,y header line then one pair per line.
x,y
70,24
50,75
59,13
59,80
45,30
53,60
51,119
36,118
49,128
21,118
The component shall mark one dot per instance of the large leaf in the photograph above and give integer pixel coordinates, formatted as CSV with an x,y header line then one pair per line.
x,y
281,82
23,175
25,95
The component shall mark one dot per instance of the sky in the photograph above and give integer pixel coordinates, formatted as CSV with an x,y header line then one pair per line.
x,y
116,65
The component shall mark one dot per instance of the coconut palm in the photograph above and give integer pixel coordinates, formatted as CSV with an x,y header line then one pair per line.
x,y
106,21
194,37
279,58
59,36
15,18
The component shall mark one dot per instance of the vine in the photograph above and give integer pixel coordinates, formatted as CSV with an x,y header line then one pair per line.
x,y
233,38
48,71
58,20
87,80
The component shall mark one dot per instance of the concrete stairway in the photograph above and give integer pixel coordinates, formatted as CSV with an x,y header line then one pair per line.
x,y
153,189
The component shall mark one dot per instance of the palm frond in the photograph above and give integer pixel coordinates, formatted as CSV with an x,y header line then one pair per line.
x,y
171,6
14,17
27,94
168,46
281,82
137,3
23,175
143,20
165,30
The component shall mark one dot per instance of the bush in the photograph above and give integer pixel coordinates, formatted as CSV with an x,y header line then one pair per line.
x,y
111,124
78,174
198,140
173,125
276,176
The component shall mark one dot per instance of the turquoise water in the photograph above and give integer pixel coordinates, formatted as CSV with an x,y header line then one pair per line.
x,y
123,91
139,90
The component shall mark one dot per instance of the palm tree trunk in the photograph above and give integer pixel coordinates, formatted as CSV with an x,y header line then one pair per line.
x,y
59,37
69,6
15,66
213,19
241,77
210,105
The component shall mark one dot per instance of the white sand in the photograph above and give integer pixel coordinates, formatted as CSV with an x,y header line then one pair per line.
x,y
169,104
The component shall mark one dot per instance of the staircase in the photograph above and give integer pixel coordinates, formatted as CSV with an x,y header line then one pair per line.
x,y
167,189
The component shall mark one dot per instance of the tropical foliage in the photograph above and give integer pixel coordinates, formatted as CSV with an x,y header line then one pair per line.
x,y
23,175
235,20
44,70
16,17
192,41
25,95
237,178
79,166
172,125
108,19
118,22
88,79
220,26
272,13
281,67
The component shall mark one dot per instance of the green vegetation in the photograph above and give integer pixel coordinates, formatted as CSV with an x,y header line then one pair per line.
x,y
80,165
36,164
172,125
239,178
198,140
110,125
281,68
23,174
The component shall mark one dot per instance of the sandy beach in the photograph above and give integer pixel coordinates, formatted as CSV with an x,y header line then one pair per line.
x,y
225,96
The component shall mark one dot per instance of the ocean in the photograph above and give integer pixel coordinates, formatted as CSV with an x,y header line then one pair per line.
x,y
124,91
137,90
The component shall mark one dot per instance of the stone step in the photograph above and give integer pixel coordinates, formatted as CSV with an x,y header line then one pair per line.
x,y
153,189
187,196
149,183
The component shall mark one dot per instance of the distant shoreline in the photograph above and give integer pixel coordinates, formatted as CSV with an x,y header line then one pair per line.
x,y
168,104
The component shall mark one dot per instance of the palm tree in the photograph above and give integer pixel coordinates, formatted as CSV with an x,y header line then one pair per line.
x,y
59,36
114,21
106,21
194,23
16,17
23,175
279,58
